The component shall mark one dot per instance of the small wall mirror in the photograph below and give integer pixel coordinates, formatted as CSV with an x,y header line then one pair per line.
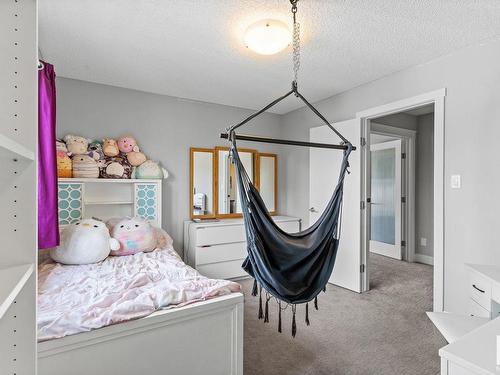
x,y
202,184
227,190
267,181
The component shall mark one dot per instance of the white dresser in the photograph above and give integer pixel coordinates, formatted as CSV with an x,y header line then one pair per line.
x,y
476,352
484,290
217,249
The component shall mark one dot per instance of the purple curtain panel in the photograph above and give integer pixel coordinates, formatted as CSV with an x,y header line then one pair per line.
x,y
48,223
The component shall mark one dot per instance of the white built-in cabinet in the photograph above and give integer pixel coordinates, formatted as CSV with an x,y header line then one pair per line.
x,y
18,144
109,198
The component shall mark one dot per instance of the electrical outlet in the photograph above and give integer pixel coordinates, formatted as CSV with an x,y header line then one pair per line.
x,y
423,242
456,181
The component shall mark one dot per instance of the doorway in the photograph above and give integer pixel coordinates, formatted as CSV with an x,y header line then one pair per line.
x,y
416,244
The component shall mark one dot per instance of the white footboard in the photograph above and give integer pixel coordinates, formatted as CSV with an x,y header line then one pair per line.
x,y
203,338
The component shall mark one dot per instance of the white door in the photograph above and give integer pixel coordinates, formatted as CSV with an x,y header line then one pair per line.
x,y
385,220
324,172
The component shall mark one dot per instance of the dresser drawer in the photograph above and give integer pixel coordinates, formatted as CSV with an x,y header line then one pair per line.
x,y
477,310
221,253
219,235
223,270
480,289
215,235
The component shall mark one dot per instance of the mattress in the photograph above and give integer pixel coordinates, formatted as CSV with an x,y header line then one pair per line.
x,y
75,299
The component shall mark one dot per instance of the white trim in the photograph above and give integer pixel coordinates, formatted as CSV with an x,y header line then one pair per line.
x,y
402,105
425,259
438,98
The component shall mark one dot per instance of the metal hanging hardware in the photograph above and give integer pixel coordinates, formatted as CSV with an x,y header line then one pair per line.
x,y
230,131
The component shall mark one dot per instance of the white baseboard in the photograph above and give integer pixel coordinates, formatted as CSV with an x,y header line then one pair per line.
x,y
425,259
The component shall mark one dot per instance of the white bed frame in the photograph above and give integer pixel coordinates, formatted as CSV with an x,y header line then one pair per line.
x,y
202,338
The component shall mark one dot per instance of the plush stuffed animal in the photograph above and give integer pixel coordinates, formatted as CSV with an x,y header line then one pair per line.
x,y
95,150
76,145
64,163
115,167
126,144
136,157
87,241
134,235
110,147
149,170
85,167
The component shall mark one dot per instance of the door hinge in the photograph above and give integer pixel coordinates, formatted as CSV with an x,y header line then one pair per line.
x,y
362,205
403,199
403,243
363,141
362,268
403,155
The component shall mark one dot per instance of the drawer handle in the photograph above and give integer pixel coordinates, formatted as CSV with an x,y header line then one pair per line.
x,y
475,287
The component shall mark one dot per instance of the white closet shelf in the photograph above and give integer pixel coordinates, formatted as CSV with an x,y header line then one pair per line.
x,y
107,203
12,280
107,180
10,149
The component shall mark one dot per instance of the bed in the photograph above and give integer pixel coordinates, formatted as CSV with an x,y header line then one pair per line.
x,y
146,313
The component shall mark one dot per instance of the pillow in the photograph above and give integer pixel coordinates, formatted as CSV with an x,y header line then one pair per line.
x,y
135,235
84,242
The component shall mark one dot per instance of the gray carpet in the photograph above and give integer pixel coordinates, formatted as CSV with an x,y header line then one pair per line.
x,y
384,331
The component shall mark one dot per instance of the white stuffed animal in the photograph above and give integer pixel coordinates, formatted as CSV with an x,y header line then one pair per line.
x,y
87,241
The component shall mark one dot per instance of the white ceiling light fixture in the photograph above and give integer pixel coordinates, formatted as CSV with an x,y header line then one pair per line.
x,y
267,37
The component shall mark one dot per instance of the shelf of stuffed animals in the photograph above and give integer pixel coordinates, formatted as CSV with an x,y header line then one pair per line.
x,y
12,280
10,150
108,180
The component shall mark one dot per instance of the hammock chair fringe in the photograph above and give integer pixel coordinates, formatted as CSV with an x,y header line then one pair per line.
x,y
264,309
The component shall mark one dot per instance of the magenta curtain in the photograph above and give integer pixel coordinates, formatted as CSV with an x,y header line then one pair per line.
x,y
48,223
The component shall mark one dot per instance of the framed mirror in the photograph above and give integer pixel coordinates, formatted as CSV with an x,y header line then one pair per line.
x,y
267,180
228,200
202,183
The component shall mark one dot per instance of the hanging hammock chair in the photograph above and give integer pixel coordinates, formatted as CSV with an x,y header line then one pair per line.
x,y
291,267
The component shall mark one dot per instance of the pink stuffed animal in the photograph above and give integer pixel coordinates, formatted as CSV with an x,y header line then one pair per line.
x,y
126,144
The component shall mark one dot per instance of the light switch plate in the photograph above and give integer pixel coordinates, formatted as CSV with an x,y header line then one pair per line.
x,y
423,241
456,181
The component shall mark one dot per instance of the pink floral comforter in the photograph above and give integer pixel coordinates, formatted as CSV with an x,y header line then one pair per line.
x,y
74,299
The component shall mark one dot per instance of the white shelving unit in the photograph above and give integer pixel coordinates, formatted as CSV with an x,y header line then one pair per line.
x,y
18,145
10,150
109,198
12,281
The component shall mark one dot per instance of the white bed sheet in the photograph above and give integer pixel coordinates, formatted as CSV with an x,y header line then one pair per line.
x,y
74,299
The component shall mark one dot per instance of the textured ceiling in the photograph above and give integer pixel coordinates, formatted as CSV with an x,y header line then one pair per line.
x,y
193,49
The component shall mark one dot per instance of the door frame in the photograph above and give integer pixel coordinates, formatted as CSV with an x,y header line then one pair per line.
x,y
408,138
437,98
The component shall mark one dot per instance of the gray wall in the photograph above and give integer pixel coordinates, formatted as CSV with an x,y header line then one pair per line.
x,y
164,127
472,78
398,120
424,184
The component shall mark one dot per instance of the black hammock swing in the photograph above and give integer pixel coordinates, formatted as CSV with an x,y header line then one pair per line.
x,y
292,267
